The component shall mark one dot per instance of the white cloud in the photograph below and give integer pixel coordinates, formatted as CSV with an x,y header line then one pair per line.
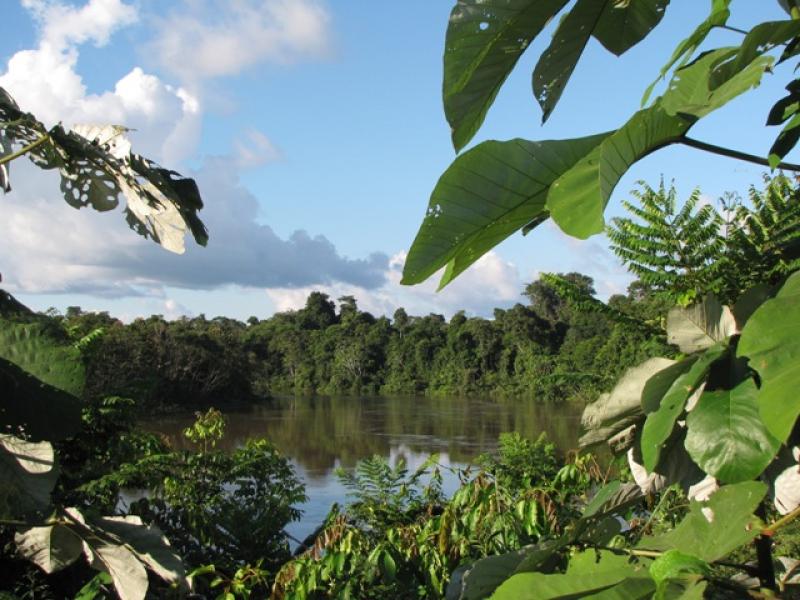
x,y
45,81
490,283
63,25
254,150
202,39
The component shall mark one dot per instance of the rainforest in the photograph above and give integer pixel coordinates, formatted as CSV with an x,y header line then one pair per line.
x,y
680,480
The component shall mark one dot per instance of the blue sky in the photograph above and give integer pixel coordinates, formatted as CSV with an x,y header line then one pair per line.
x,y
316,132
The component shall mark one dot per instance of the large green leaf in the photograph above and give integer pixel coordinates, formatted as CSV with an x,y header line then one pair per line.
x,y
726,436
615,411
707,84
41,379
27,476
51,548
660,423
34,348
484,41
589,572
715,528
487,194
557,62
674,563
578,198
700,326
29,405
482,578
771,341
717,18
760,39
622,25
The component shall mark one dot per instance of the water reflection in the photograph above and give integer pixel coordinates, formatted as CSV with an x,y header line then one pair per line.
x,y
319,434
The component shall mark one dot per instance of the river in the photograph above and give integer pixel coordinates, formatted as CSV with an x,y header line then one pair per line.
x,y
319,434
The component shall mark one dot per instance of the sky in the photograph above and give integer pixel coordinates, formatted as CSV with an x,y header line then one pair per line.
x,y
316,133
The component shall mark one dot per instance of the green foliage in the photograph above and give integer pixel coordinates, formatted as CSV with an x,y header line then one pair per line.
x,y
382,496
226,509
484,42
414,553
42,378
683,253
672,251
207,429
521,463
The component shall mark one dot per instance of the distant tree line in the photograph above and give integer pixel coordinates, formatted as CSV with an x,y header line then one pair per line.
x,y
551,348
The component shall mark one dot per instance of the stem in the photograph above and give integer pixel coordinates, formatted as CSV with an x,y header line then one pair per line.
x,y
734,29
784,520
691,142
766,570
9,157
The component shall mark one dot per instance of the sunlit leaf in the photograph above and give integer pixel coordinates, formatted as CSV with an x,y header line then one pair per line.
x,y
51,548
484,41
717,18
27,476
615,411
577,199
589,572
726,437
771,341
715,528
700,326
487,194
147,542
705,85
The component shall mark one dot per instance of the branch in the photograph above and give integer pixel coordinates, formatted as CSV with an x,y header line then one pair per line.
x,y
9,157
687,141
785,520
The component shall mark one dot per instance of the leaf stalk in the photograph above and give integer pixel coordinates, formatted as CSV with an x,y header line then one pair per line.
x,y
32,146
722,151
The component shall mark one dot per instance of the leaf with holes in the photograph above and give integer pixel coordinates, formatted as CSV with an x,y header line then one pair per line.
x,y
771,341
717,18
487,194
485,39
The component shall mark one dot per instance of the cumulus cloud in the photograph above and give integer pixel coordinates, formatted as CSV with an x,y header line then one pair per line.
x,y
490,283
202,39
50,247
44,81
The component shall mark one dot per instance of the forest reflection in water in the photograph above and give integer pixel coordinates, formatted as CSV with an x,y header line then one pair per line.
x,y
321,433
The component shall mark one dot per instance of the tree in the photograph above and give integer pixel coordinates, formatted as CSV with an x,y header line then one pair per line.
x,y
673,251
